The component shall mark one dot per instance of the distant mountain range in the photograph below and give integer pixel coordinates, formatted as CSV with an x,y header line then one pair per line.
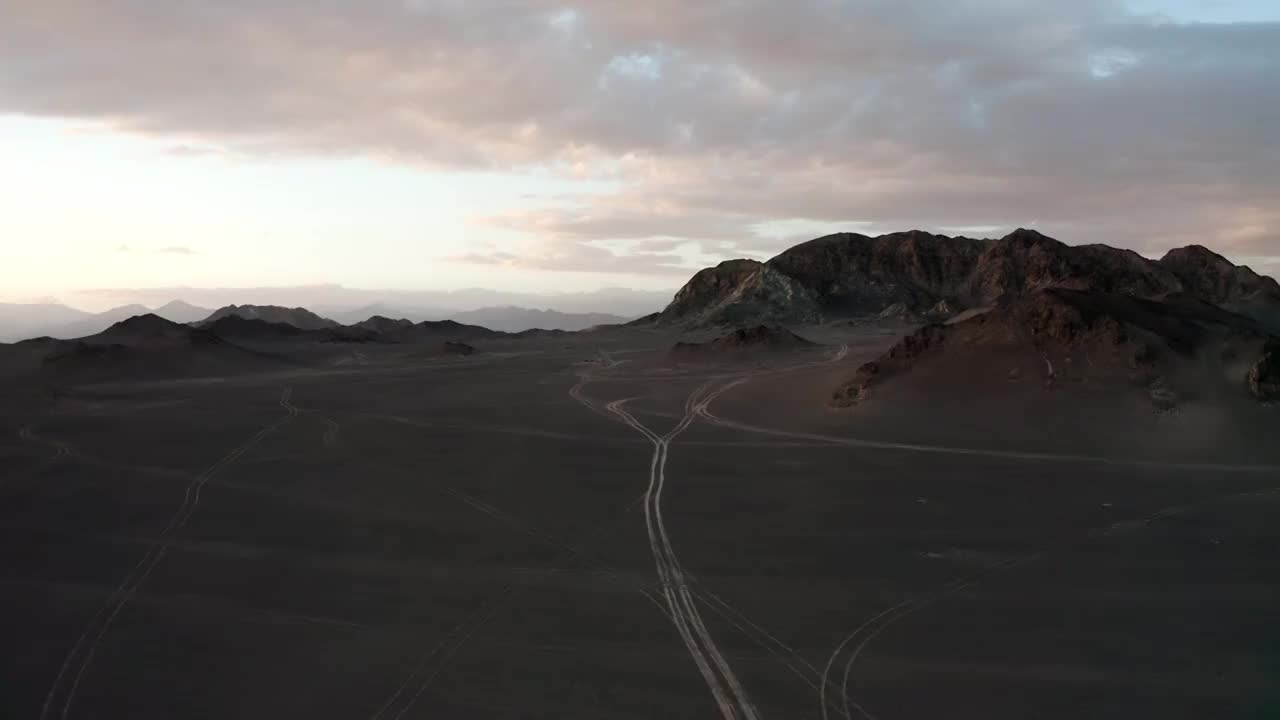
x,y
516,319
332,300
1024,304
23,321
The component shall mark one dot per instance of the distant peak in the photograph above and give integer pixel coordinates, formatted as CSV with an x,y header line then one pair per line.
x,y
1194,252
1028,236
144,321
147,325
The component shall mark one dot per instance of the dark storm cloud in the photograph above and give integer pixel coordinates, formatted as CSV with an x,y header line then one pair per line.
x,y
713,117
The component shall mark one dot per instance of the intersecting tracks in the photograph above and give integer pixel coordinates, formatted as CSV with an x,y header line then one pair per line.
x,y
679,587
75,666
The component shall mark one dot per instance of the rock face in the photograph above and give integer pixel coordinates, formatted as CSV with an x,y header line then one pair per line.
x,y
1210,276
758,338
1264,376
736,292
900,358
850,274
1120,336
920,275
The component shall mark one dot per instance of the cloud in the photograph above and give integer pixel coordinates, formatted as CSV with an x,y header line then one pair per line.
x,y
714,117
169,250
581,257
191,151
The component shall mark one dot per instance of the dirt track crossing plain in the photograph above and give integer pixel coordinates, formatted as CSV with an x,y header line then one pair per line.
x,y
583,528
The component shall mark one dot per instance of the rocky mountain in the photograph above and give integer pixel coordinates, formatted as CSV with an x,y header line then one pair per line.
x,y
1264,375
851,275
1107,340
1208,275
298,317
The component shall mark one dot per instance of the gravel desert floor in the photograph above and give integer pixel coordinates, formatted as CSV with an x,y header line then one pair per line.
x,y
582,528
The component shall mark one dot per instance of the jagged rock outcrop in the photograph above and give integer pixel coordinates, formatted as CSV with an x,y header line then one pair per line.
x,y
850,274
1263,377
918,275
1025,260
1209,276
900,358
737,291
1121,337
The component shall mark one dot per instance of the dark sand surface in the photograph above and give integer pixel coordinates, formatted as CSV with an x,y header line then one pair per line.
x,y
390,536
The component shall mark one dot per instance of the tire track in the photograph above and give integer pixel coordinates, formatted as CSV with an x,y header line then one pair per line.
x,y
675,580
726,689
80,657
886,618
983,452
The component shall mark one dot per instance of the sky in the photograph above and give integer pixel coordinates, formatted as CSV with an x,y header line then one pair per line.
x,y
539,146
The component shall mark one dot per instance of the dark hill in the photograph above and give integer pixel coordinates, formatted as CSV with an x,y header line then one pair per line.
x,y
1063,337
147,328
850,275
381,324
301,318
237,328
744,340
145,346
445,330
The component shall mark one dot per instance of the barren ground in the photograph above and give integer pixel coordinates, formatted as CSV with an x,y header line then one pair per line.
x,y
471,538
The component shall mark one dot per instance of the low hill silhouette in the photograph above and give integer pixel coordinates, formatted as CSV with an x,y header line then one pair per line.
x,y
761,338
